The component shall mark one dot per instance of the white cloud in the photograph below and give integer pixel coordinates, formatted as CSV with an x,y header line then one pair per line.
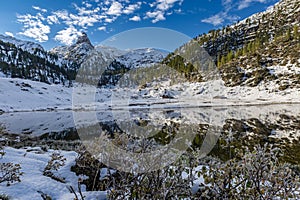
x,y
34,27
165,5
131,8
110,20
227,5
106,2
112,39
232,18
88,5
82,21
226,2
87,14
115,9
156,15
52,19
9,34
135,18
86,10
62,14
246,3
102,28
68,35
161,9
152,4
39,9
219,18
216,20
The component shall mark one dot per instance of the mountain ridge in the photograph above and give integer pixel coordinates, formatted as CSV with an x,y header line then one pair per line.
x,y
237,51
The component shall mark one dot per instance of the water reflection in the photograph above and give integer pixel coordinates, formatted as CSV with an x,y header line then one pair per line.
x,y
159,131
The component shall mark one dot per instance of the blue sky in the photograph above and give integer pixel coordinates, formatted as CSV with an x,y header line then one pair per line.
x,y
59,22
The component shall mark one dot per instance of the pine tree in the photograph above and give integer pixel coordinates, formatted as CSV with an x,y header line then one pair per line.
x,y
296,32
223,60
288,34
230,56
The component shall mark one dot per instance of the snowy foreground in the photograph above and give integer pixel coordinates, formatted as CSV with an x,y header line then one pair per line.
x,y
34,183
23,95
33,161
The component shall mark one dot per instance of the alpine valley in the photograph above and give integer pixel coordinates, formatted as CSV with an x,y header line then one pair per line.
x,y
241,80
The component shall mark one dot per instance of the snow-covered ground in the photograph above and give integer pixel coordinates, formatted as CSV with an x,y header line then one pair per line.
x,y
24,95
33,179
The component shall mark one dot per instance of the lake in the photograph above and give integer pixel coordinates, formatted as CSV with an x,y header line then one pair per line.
x,y
180,128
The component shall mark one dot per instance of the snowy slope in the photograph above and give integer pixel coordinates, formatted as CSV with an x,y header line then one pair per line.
x,y
25,95
24,45
141,57
109,53
130,58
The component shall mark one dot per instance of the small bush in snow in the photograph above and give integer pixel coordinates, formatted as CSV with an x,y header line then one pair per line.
x,y
57,161
9,172
257,175
4,197
251,174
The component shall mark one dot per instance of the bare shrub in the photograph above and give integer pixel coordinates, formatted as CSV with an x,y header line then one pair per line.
x,y
9,172
257,175
57,160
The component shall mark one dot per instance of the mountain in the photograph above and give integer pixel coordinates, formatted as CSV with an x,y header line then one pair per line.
x,y
24,45
108,64
255,61
141,57
109,53
27,60
261,49
75,53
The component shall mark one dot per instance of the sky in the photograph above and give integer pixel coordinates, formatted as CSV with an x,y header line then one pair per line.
x,y
59,22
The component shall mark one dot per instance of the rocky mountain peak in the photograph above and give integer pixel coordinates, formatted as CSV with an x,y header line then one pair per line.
x,y
83,38
77,52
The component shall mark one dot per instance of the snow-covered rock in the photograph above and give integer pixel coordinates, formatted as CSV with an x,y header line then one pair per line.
x,y
76,52
142,57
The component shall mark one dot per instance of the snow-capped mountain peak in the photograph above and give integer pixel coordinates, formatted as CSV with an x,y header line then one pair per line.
x,y
76,52
142,57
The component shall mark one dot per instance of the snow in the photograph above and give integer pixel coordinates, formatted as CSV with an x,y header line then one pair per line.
x,y
109,52
192,103
2,75
287,69
141,57
33,180
25,95
24,45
